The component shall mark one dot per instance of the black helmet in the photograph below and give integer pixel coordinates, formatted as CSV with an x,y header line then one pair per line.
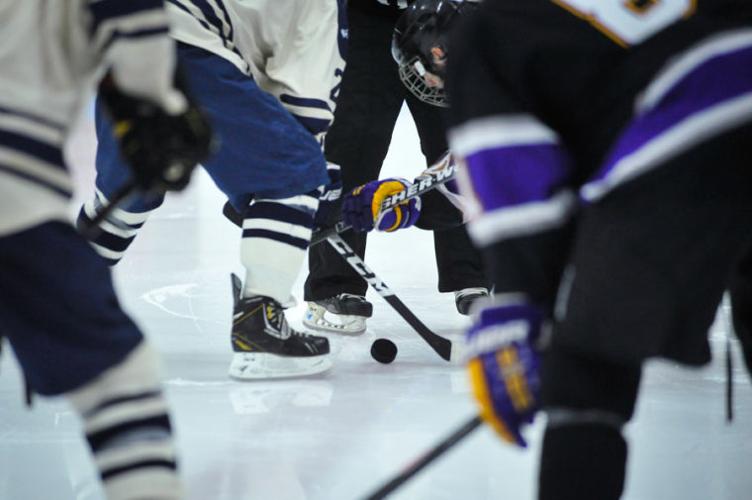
x,y
424,26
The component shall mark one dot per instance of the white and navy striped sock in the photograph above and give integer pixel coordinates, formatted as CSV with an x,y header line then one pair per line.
x,y
276,234
128,429
117,231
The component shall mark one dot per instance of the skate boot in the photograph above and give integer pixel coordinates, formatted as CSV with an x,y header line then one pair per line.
x,y
264,345
464,298
344,313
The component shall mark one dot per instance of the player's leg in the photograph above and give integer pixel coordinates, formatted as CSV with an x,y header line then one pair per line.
x,y
587,402
369,103
740,289
119,229
63,321
648,271
271,176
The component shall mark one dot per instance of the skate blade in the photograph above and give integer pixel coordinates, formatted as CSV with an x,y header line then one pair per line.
x,y
252,366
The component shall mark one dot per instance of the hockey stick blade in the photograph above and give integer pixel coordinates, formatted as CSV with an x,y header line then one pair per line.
x,y
419,464
442,346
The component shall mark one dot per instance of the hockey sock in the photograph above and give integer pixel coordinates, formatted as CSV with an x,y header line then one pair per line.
x,y
126,423
276,234
582,462
117,231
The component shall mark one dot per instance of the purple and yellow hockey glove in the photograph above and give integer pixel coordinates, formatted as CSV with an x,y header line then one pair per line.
x,y
361,208
503,367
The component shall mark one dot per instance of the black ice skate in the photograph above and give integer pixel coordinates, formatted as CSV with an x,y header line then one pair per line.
x,y
264,345
343,313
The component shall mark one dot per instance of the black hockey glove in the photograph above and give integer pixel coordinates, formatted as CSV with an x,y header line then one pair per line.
x,y
161,149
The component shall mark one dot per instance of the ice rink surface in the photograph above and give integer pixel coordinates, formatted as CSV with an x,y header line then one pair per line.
x,y
339,435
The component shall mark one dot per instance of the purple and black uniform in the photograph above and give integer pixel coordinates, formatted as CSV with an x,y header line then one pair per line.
x,y
607,147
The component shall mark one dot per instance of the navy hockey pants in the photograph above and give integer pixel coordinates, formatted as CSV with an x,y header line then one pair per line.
x,y
58,308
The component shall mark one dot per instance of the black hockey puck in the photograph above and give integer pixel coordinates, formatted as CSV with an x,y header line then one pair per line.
x,y
384,351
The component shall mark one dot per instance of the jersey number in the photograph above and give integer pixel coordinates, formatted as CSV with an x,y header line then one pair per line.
x,y
628,22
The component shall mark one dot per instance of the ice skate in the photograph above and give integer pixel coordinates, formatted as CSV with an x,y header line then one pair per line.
x,y
265,346
344,313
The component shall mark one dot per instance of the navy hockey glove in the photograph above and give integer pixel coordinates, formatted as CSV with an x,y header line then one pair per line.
x,y
329,198
361,208
503,367
162,149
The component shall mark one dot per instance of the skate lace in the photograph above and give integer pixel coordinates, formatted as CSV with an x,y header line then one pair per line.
x,y
276,316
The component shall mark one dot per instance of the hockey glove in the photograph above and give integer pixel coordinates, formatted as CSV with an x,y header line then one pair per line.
x,y
503,367
330,197
162,149
361,208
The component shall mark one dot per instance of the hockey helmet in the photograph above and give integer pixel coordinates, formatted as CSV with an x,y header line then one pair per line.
x,y
419,46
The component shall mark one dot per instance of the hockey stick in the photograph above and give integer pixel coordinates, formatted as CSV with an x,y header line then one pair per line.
x,y
428,183
443,346
439,449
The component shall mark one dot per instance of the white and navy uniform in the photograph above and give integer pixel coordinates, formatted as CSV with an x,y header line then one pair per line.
x,y
294,51
267,74
58,308
34,118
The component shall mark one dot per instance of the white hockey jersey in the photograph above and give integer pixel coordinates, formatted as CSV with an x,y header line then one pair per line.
x,y
49,52
293,49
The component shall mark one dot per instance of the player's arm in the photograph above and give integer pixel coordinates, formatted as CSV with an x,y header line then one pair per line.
x,y
516,172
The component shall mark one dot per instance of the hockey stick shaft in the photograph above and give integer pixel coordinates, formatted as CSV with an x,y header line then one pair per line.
x,y
438,450
441,345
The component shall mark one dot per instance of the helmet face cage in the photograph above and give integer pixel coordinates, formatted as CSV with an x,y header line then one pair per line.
x,y
411,73
421,28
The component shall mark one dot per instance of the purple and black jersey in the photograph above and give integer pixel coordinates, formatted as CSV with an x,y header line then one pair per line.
x,y
558,103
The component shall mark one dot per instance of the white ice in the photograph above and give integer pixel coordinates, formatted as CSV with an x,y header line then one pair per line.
x,y
339,435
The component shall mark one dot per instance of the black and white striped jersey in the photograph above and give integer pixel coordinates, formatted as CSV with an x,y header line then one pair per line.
x,y
294,49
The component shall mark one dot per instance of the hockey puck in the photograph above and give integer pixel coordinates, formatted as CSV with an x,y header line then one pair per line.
x,y
384,351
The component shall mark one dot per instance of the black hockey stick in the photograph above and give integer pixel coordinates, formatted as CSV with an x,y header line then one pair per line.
x,y
443,346
439,449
